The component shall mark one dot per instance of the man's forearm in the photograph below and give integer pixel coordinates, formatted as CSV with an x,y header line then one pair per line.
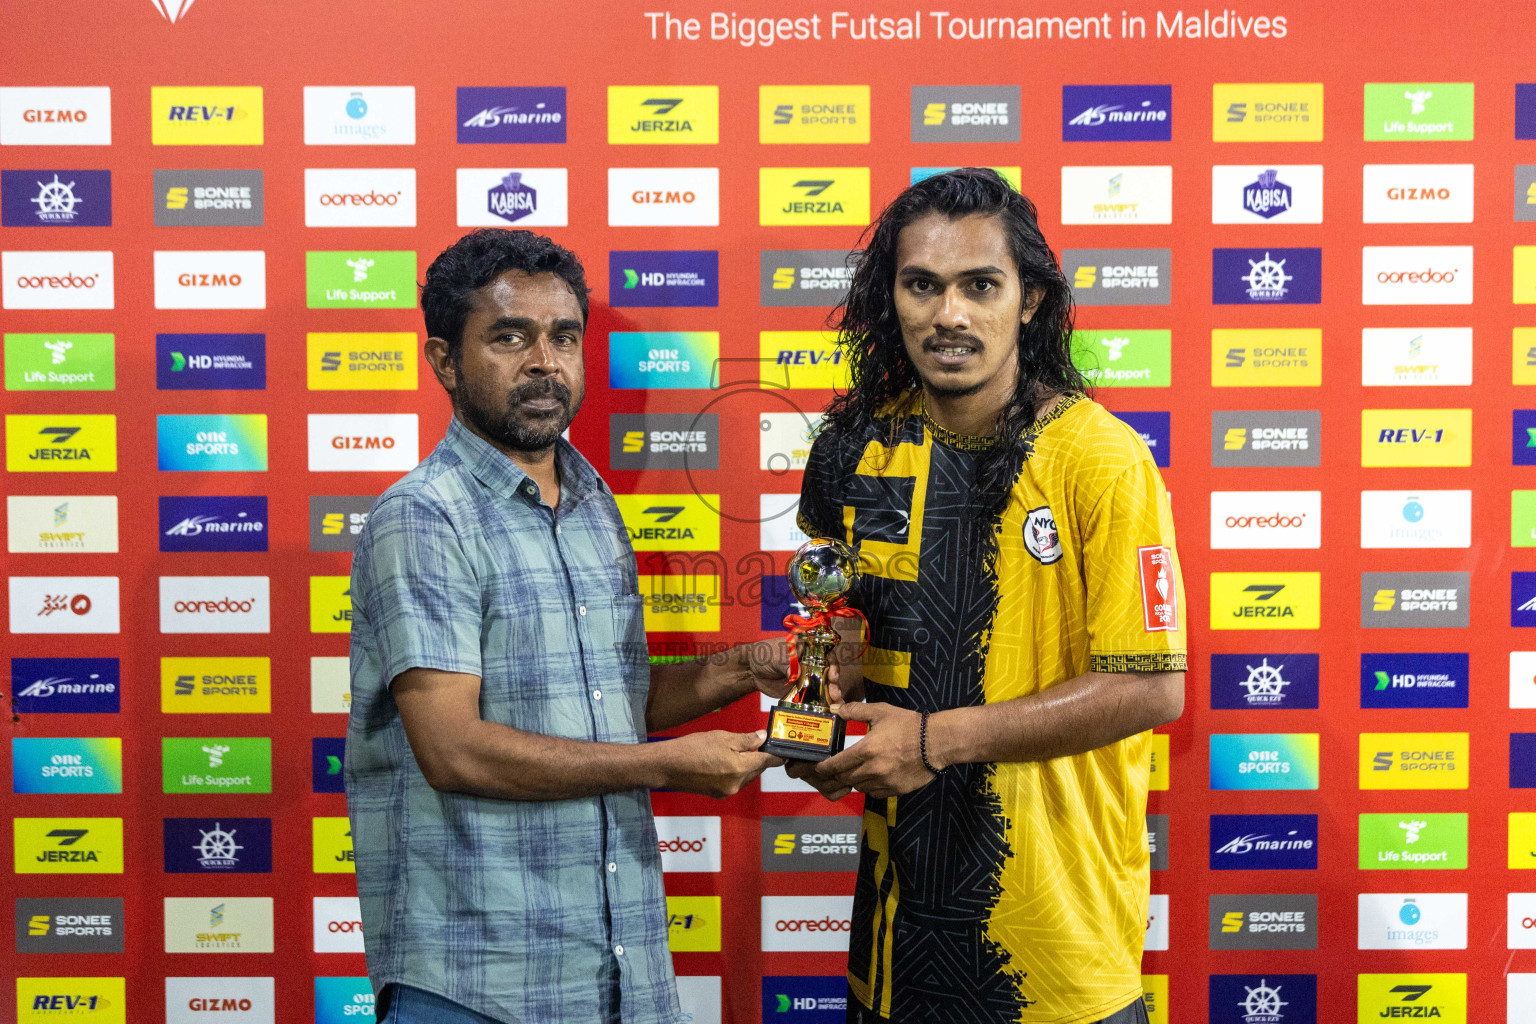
x,y
682,691
1090,711
493,760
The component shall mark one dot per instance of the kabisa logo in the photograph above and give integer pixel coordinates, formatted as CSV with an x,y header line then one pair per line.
x,y
789,999
330,604
788,196
663,115
1441,997
60,444
1415,437
1266,276
671,522
330,685
1413,680
69,925
1413,760
1117,194
336,522
57,279
65,685
1275,194
1416,275
965,113
1418,111
1128,358
1254,842
803,277
1413,841
1435,920
360,280
813,114
215,604
1266,357
664,441
60,362
693,924
1418,194
210,362
355,361
236,523
1277,600
663,359
326,757
1119,277
360,197
1263,999
352,116
231,764
689,843
1266,438
1264,760
1267,196
1154,429
511,114
664,196
64,604
499,196
215,443
806,923
206,115
56,765
205,198
1416,356
55,199
679,278
1264,681
344,442
1267,112
210,280
1116,113
68,846
819,843
218,845
55,116
1266,519
1414,599
1263,922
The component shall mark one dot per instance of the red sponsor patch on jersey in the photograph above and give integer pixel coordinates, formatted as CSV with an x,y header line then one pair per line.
x,y
1159,589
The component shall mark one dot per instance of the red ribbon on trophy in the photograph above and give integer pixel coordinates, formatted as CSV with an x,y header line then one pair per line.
x,y
837,608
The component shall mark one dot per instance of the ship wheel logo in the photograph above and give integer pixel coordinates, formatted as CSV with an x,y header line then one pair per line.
x,y
218,848
1262,1005
1265,684
1266,279
56,200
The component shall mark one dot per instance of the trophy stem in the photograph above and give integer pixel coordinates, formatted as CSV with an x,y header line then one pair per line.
x,y
816,645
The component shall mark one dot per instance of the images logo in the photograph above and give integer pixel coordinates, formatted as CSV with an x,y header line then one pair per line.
x,y
212,444
664,441
1413,680
361,362
1154,430
212,924
1262,681
806,359
372,116
64,604
1414,841
525,196
1253,842
1418,112
341,442
1117,195
69,925
664,196
806,923
1263,922
1119,277
662,359
689,844
802,277
661,115
54,199
808,114
210,362
1263,999
210,280
511,114
65,685
204,198
215,604
819,843
336,521
66,765
1415,437
1413,760
56,116
206,115
1414,599
223,845
1416,357
1266,276
1267,357
1418,194
1264,761
216,764
671,522
965,113
68,846
360,280
1116,113
788,196
338,926
1256,194
359,197
1267,112
330,604
44,524
60,362
1416,275
1276,600
237,523
56,280
1412,920
681,278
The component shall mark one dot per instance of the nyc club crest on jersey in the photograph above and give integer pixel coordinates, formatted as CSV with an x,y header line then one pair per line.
x,y
1040,537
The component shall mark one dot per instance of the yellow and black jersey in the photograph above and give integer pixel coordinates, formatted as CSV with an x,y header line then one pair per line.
x,y
1012,892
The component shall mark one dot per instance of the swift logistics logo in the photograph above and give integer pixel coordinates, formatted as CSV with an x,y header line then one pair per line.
x,y
1119,277
46,524
1154,429
327,754
207,198
353,361
1441,997
1130,358
1414,841
60,362
812,114
525,196
1416,275
790,196
1416,356
1116,113
675,278
1418,112
336,521
210,362
1267,357
66,765
1244,277
1415,437
1273,194
516,114
57,279
215,764
1413,680
65,686
663,359
330,686
689,843
1414,760
784,442
1265,600
1417,194
803,277
186,279
360,197
819,843
55,116
806,359
208,523
218,924
330,604
1263,999
69,925
64,604
55,199
375,115
663,115
206,115
218,846
67,846
1263,922
1117,194
215,604
1264,842
1267,112
220,443
671,522
1266,519
360,280
347,442
965,113
1264,760
1264,681
1408,600
1391,920
664,441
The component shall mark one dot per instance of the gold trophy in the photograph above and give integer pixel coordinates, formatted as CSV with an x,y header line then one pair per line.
x,y
802,727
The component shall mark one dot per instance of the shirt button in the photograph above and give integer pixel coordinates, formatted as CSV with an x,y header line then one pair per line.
x,y
597,694
618,950
582,610
612,866
528,488
557,530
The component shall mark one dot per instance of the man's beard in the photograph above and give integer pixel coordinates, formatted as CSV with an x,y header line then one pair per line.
x,y
507,425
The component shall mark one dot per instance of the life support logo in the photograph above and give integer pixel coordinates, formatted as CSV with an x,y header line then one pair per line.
x,y
1041,539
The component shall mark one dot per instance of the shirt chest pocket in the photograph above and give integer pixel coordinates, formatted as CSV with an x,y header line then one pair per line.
x,y
617,630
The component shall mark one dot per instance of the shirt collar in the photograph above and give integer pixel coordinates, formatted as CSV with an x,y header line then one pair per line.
x,y
497,471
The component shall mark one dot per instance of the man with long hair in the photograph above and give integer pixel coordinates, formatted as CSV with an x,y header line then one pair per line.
x,y
1026,629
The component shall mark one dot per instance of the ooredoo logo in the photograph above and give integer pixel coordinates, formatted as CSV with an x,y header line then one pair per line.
x,y
215,604
210,279
57,280
353,197
689,843
338,925
344,443
56,116
1266,519
1416,275
812,923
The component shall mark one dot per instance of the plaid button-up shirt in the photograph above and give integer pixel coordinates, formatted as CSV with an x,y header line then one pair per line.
x,y
525,911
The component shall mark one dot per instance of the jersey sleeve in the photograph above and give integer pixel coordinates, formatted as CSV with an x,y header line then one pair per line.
x,y
821,491
1136,611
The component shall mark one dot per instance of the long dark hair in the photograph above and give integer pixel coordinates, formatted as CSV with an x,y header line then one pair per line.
x,y
870,335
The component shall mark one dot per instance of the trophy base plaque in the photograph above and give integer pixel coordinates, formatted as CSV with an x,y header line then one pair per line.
x,y
803,732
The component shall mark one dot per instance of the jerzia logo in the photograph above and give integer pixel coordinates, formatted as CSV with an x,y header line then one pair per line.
x,y
813,195
663,115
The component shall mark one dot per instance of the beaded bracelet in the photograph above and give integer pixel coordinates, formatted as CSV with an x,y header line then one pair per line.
x,y
922,746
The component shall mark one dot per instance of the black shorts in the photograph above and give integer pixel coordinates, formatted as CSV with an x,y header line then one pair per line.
x,y
1136,1013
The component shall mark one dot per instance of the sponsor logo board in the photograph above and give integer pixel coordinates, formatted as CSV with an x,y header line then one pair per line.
x,y
499,114
965,113
209,198
805,1000
216,764
1157,922
1407,600
785,440
671,522
1264,760
1522,679
60,362
60,444
44,524
215,685
778,523
55,116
